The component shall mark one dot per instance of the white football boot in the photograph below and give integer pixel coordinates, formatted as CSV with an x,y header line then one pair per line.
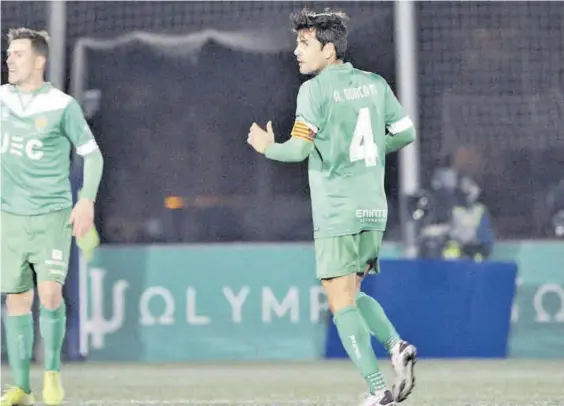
x,y
404,356
380,398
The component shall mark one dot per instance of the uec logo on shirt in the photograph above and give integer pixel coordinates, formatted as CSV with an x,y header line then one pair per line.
x,y
32,148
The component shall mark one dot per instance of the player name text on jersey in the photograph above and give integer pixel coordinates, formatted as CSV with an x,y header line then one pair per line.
x,y
354,93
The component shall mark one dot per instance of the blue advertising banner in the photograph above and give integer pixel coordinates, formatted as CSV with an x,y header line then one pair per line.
x,y
446,308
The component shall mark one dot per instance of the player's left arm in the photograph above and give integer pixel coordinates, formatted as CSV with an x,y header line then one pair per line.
x,y
306,126
399,127
78,131
296,149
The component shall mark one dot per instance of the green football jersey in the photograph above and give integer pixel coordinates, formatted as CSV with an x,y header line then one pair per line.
x,y
37,132
348,113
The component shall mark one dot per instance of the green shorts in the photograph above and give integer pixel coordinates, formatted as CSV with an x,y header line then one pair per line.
x,y
39,244
347,254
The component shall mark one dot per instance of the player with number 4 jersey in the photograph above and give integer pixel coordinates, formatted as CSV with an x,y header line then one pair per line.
x,y
346,113
346,121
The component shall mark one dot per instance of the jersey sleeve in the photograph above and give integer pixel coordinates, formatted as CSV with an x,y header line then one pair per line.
x,y
308,112
397,120
77,130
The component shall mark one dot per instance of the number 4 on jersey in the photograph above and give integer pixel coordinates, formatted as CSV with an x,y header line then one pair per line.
x,y
362,143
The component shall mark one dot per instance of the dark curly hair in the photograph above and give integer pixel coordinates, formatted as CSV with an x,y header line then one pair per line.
x,y
330,27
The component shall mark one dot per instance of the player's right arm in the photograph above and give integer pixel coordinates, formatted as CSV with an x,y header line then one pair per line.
x,y
399,127
306,126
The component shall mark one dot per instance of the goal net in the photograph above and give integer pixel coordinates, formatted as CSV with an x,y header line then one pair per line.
x,y
491,86
171,90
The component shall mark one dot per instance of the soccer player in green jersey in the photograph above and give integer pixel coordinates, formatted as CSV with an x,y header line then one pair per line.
x,y
347,120
39,125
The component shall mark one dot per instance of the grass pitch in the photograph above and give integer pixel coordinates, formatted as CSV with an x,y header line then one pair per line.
x,y
439,383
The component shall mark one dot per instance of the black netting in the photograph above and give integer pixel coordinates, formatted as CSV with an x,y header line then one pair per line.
x,y
104,19
31,14
491,97
490,84
174,118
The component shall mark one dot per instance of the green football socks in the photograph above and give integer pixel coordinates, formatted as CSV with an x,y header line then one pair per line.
x,y
19,344
377,321
356,341
52,324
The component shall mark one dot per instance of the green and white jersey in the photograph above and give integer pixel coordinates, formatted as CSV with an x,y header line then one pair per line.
x,y
38,129
347,113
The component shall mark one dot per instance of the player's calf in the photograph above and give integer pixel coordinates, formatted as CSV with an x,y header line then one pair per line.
x,y
341,293
19,342
52,324
403,354
376,319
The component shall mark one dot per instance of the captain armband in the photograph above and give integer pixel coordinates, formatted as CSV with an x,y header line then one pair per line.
x,y
304,131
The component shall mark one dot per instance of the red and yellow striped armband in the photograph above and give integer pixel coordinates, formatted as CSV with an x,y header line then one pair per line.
x,y
303,131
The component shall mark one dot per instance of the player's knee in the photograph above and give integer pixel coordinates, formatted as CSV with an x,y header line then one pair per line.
x,y
340,292
19,303
50,294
